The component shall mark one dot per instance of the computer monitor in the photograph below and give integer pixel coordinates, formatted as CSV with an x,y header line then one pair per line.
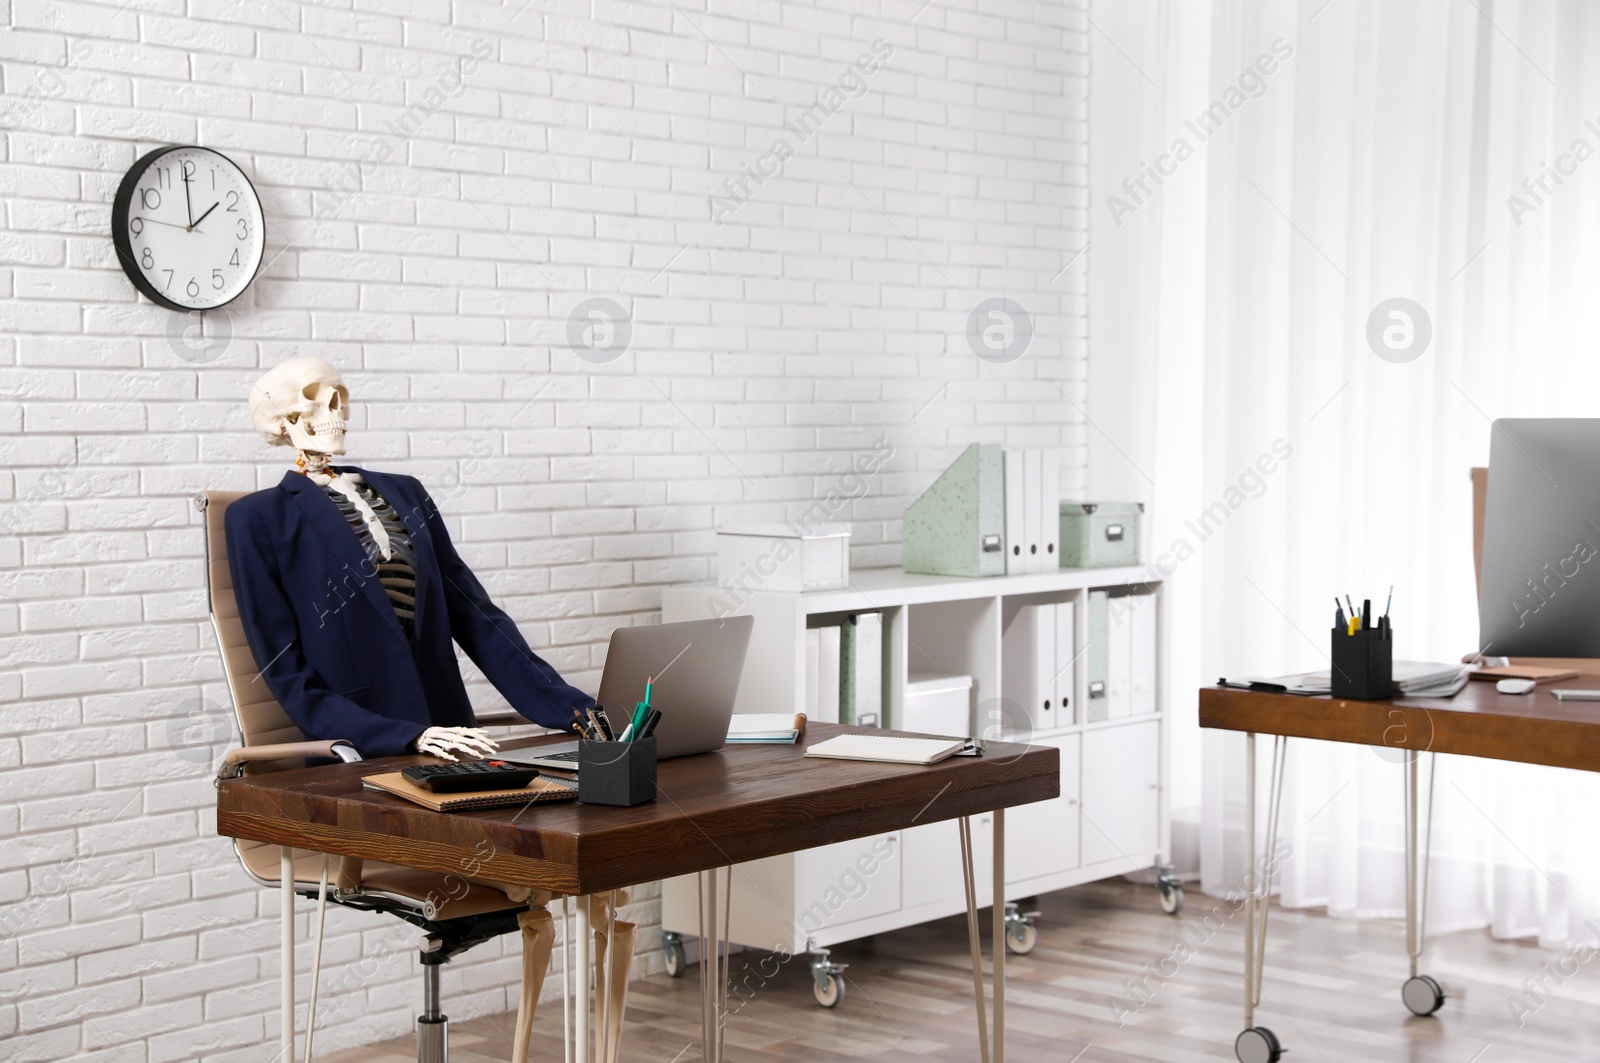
x,y
1539,595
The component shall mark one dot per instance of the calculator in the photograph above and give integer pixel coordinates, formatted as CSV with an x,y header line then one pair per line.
x,y
471,775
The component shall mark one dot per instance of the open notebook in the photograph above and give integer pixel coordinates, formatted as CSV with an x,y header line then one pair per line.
x,y
891,749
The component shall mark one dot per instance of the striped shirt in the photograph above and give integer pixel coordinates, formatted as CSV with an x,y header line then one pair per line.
x,y
398,575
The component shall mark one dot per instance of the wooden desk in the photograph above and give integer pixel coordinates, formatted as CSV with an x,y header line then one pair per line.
x,y
1478,722
714,810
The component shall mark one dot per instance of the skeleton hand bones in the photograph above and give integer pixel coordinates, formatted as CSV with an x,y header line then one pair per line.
x,y
445,742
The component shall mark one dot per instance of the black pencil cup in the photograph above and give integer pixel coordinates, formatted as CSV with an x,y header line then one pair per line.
x,y
617,773
1363,664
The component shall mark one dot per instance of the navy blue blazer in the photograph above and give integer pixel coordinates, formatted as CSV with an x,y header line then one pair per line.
x,y
326,636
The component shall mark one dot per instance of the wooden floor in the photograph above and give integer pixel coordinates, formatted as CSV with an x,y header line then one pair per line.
x,y
1331,989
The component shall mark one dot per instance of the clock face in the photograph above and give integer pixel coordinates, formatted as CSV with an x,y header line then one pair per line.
x,y
188,228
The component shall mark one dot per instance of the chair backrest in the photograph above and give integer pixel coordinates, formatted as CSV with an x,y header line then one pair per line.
x,y
262,720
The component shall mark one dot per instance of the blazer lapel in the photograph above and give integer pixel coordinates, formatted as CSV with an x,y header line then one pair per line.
x,y
324,516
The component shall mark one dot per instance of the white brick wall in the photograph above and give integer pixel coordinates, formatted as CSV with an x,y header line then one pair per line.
x,y
578,160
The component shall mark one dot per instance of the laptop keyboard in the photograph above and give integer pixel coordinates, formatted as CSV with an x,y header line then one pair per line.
x,y
570,756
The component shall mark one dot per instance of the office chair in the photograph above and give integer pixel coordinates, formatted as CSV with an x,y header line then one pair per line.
x,y
454,913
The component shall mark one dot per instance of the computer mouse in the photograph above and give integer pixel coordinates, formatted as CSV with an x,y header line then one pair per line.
x,y
1515,686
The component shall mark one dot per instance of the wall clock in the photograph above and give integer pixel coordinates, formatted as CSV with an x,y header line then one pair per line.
x,y
188,229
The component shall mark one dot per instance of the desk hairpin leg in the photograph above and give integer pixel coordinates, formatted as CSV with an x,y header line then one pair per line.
x,y
581,971
286,959
714,978
1257,1044
566,980
724,975
1421,994
964,827
605,953
997,946
988,1050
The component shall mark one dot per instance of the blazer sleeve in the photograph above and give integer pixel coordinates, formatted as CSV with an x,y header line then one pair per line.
x,y
273,631
490,637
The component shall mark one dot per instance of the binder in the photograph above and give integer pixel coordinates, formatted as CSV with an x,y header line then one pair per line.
x,y
958,526
1033,509
861,670
1142,658
828,654
1018,676
1119,663
1016,522
1065,664
1096,659
813,696
1037,666
1044,664
1050,510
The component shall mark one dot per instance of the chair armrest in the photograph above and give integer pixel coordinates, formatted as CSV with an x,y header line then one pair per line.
x,y
235,760
501,719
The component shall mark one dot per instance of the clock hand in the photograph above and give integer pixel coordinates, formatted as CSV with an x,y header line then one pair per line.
x,y
196,223
187,209
173,224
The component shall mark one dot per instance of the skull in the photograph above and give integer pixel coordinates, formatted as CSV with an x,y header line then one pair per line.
x,y
301,403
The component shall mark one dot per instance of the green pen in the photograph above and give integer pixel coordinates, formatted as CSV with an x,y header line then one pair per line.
x,y
640,711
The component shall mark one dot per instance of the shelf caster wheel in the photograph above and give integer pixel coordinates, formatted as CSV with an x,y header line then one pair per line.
x,y
1422,995
827,982
829,991
1171,893
1022,937
677,959
1257,1045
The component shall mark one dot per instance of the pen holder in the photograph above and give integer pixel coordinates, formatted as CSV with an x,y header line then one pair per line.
x,y
617,773
1363,664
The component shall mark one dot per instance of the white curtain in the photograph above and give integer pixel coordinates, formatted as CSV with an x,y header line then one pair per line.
x,y
1377,162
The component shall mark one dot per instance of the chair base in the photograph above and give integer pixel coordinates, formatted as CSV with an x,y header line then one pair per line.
x,y
433,1039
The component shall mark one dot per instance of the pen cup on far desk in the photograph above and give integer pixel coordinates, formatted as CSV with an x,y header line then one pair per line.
x,y
1363,664
617,773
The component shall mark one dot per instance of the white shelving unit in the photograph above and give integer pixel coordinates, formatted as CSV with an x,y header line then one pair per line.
x,y
1110,819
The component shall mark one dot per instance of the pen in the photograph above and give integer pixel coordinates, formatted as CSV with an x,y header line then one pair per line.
x,y
605,724
1389,602
1338,612
641,710
1366,612
627,734
650,724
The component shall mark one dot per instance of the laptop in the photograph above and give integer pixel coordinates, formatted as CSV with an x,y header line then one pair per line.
x,y
696,665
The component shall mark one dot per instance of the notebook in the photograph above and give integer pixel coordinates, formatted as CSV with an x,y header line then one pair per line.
x,y
781,728
543,788
1526,671
890,749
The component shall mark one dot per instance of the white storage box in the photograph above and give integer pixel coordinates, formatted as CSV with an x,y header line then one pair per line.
x,y
778,557
938,705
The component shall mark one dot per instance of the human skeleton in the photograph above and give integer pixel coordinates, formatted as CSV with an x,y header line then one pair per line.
x,y
304,403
